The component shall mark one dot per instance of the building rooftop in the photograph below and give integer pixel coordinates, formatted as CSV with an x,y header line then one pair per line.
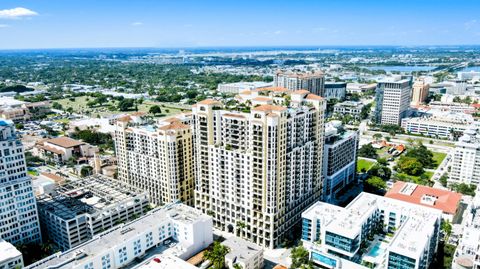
x,y
445,200
240,249
122,233
93,195
8,251
65,142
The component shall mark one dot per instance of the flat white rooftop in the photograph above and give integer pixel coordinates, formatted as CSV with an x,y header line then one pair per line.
x,y
8,251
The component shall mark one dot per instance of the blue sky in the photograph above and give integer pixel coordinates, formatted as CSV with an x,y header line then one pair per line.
x,y
181,23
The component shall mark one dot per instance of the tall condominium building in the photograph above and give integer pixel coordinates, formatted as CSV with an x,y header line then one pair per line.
x,y
157,158
79,210
373,231
339,160
392,100
466,157
18,209
127,245
313,82
257,170
335,90
420,91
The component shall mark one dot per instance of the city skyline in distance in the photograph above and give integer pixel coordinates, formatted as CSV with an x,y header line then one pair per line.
x,y
29,24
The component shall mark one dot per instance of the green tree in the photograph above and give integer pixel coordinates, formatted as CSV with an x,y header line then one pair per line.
x,y
380,171
155,110
126,104
409,165
300,257
446,227
56,105
216,255
422,154
375,184
368,151
86,171
444,179
377,136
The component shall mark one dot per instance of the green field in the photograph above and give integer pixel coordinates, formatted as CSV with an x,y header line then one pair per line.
x,y
80,106
416,179
364,164
438,157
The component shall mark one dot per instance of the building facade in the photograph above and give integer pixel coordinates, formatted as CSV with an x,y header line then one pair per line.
x,y
372,230
313,82
466,157
237,87
392,100
83,208
157,158
420,91
258,170
116,248
339,160
335,90
19,222
440,125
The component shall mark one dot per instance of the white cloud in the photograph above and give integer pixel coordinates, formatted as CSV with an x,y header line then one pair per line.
x,y
16,13
137,23
470,24
4,25
278,32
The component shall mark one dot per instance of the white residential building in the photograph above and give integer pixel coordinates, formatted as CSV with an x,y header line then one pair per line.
x,y
313,82
339,160
237,87
246,254
82,208
335,236
438,124
188,229
157,158
261,168
18,209
10,257
392,100
466,157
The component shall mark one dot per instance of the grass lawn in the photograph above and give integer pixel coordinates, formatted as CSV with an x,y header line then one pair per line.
x,y
417,179
32,173
80,106
438,157
364,164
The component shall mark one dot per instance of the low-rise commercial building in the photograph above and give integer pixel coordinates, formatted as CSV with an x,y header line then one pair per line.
x,y
237,87
438,124
60,149
372,230
246,254
176,229
83,208
447,201
10,257
351,108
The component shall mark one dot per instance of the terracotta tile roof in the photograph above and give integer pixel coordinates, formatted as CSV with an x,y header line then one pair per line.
x,y
312,96
262,99
175,125
51,149
268,108
125,118
65,142
209,102
246,92
56,178
171,119
234,115
279,266
272,89
447,201
300,92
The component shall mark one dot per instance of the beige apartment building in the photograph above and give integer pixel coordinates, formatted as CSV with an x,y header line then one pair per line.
x,y
257,170
157,158
312,81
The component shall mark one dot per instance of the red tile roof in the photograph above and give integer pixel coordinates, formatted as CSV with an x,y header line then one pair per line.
x,y
65,142
447,201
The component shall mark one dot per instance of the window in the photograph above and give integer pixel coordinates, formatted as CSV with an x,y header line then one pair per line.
x,y
106,262
122,254
137,247
88,265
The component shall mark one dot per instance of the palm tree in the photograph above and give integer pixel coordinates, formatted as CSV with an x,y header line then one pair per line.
x,y
237,266
217,255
